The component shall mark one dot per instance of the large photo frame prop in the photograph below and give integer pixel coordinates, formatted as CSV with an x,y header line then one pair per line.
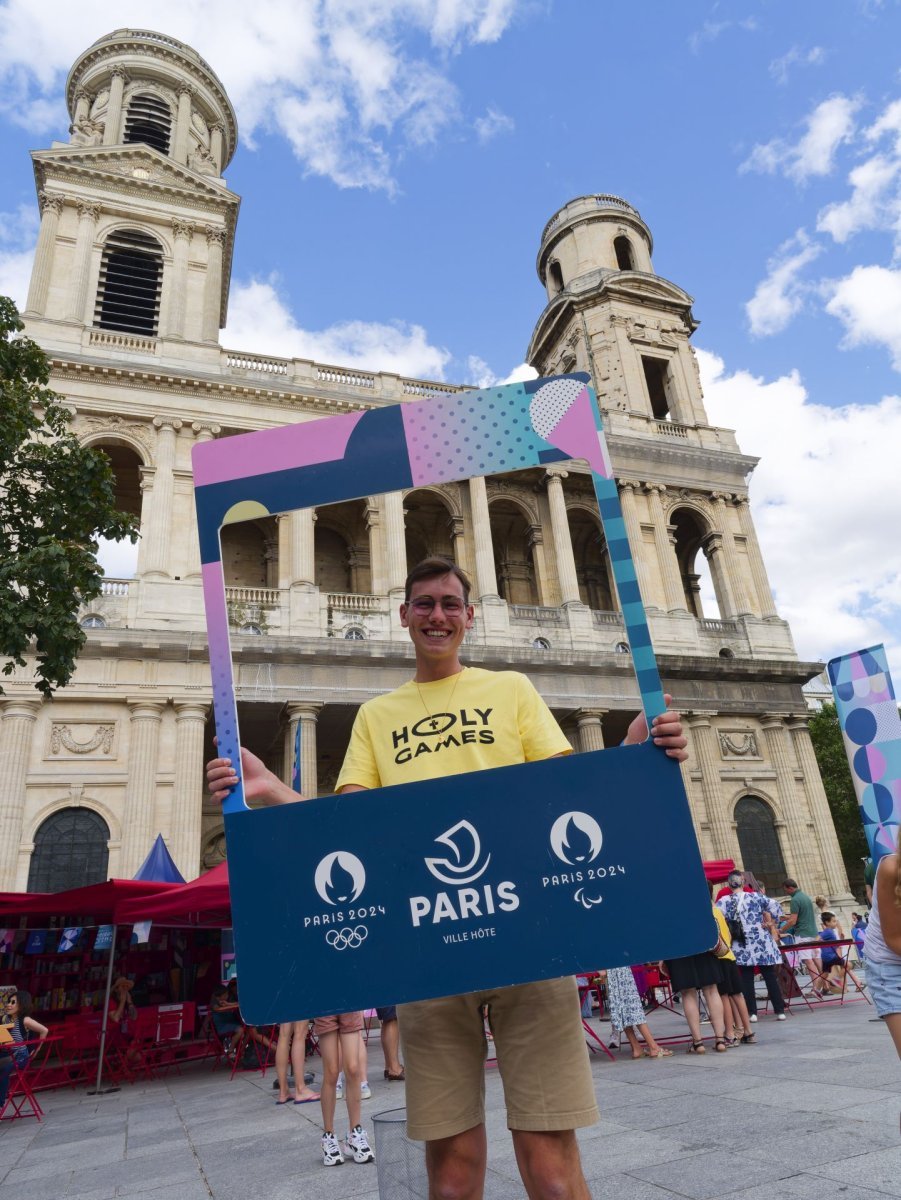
x,y
469,882
871,728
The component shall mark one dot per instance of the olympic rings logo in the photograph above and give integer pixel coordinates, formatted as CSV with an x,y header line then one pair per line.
x,y
346,939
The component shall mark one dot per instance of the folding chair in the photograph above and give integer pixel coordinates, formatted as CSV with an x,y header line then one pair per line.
x,y
261,1051
21,1092
657,982
591,1036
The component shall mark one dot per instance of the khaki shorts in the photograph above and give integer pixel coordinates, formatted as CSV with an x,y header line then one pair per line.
x,y
351,1022
541,1054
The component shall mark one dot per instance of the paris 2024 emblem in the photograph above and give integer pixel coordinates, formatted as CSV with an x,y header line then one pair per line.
x,y
576,840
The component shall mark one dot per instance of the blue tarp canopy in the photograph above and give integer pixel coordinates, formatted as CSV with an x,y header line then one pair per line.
x,y
159,865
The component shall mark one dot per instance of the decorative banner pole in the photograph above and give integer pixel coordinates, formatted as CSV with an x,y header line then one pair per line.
x,y
871,727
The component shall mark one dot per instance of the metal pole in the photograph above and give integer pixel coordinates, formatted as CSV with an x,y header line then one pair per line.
x,y
97,1090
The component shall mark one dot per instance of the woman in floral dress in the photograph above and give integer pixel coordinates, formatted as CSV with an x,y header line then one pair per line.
x,y
627,1014
760,949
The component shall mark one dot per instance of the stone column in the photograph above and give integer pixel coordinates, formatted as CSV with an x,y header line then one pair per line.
x,y
591,729
51,207
16,733
830,855
721,501
216,132
563,545
182,123
627,490
767,606
140,790
669,567
798,857
88,212
112,130
82,105
187,799
706,759
212,292
486,576
178,287
396,545
535,537
297,564
203,431
305,714
713,551
158,535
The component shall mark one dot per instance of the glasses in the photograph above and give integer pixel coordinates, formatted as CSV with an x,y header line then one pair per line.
x,y
451,606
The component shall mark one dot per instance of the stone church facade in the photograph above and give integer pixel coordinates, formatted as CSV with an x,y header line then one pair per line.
x,y
128,294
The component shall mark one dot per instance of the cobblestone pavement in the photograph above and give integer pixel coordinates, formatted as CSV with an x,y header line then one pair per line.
x,y
811,1111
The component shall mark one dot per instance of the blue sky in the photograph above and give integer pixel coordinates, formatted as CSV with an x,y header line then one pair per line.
x,y
400,158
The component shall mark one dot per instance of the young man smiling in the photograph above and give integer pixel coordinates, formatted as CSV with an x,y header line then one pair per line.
x,y
450,719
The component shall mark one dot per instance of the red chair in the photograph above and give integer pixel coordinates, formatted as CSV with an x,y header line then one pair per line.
x,y
21,1091
591,1036
262,1052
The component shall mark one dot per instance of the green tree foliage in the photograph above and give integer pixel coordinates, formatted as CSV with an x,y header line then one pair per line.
x,y
832,760
56,498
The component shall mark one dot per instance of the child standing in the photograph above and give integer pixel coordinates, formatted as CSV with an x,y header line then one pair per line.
x,y
346,1027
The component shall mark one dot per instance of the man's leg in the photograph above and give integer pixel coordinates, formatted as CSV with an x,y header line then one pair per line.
x,y
390,1040
456,1165
550,1165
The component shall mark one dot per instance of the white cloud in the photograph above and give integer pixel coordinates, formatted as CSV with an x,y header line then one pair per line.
x,y
780,68
493,124
711,31
868,303
780,295
260,321
825,501
18,232
350,84
875,200
828,127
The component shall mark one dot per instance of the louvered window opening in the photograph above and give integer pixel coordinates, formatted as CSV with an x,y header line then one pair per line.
x,y
131,274
70,850
758,840
149,120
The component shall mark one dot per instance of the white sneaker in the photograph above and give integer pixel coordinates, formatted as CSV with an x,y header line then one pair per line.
x,y
357,1144
365,1090
753,1017
339,1090
331,1151
780,1016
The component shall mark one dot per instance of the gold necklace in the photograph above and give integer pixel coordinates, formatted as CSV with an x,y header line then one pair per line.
x,y
433,719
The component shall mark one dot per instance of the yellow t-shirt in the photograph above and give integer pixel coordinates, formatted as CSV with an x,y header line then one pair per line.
x,y
469,722
724,933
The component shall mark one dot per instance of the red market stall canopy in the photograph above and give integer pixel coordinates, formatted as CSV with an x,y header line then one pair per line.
x,y
719,869
202,903
101,901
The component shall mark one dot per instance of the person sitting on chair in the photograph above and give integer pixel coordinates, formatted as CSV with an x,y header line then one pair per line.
x,y
21,1027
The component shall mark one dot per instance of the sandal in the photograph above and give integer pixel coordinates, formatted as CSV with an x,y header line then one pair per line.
x,y
696,1048
398,1078
661,1052
721,1046
748,1039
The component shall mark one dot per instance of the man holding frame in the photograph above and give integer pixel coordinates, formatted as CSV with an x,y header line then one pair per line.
x,y
537,1028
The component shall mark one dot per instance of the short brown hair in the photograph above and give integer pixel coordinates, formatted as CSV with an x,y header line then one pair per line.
x,y
431,568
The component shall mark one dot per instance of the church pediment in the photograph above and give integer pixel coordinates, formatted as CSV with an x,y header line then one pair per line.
x,y
137,166
636,285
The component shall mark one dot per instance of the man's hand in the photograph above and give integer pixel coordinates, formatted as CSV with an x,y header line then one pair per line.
x,y
259,782
666,732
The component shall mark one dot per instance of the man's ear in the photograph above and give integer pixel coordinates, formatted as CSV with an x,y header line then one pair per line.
x,y
403,615
470,615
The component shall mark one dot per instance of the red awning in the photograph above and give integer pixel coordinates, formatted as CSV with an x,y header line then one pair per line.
x,y
719,869
204,902
98,901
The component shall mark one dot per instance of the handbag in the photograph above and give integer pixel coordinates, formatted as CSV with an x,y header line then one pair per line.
x,y
736,929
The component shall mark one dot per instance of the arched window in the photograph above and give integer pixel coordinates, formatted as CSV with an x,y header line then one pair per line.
x,y
701,585
513,553
556,277
93,621
759,841
355,634
131,276
541,644
622,248
622,648
148,120
70,850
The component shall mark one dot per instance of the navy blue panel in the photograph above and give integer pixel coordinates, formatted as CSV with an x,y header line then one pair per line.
x,y
375,461
639,636
336,906
628,592
552,456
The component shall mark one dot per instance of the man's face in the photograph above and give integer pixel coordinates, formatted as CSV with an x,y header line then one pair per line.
x,y
437,617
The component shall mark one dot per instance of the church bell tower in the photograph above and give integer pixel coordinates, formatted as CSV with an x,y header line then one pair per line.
x,y
137,223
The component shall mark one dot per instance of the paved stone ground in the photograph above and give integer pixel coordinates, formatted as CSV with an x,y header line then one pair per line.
x,y
811,1111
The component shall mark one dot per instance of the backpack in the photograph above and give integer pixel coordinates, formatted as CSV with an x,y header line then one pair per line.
x,y
736,929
